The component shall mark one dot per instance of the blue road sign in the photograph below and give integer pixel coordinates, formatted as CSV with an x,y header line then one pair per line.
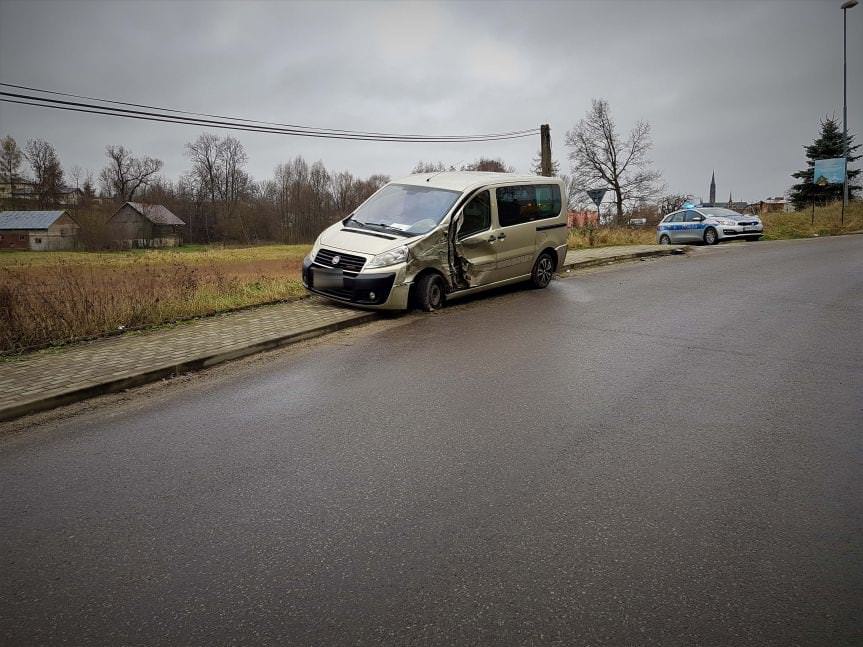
x,y
596,195
830,171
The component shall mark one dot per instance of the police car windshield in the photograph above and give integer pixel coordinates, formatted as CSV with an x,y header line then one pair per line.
x,y
721,213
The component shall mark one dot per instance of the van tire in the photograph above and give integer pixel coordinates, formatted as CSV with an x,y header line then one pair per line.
x,y
543,271
430,292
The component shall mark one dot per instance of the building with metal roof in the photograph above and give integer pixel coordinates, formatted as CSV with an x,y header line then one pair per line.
x,y
145,225
38,230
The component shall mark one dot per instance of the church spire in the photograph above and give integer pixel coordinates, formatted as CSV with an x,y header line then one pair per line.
x,y
713,188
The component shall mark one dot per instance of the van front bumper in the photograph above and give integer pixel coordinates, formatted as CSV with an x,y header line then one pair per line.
x,y
376,290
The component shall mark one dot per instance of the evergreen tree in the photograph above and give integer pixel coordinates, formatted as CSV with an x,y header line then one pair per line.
x,y
826,146
536,165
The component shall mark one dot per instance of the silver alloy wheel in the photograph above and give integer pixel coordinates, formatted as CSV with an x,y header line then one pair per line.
x,y
710,236
544,271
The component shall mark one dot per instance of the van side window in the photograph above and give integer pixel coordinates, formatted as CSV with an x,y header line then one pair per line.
x,y
476,215
519,204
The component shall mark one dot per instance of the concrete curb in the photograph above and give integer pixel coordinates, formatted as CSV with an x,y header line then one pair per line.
x,y
173,369
206,360
620,258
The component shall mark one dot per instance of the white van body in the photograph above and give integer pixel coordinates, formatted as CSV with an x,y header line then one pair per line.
x,y
454,233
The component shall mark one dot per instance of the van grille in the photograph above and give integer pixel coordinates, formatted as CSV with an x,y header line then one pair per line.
x,y
347,262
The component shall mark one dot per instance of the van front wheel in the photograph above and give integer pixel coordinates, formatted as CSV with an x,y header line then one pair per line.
x,y
543,271
430,292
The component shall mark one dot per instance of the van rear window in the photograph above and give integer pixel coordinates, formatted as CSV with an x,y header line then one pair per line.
x,y
526,203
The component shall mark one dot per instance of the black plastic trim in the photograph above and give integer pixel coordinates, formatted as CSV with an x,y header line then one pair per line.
x,y
544,227
369,233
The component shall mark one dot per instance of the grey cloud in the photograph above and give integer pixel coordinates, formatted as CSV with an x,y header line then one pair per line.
x,y
735,86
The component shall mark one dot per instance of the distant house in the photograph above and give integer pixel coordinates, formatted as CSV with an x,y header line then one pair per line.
x,y
773,205
71,195
38,230
145,225
24,190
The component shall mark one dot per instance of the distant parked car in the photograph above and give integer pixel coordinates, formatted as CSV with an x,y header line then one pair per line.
x,y
707,225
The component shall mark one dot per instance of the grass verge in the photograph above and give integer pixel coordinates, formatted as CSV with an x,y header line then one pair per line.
x,y
50,298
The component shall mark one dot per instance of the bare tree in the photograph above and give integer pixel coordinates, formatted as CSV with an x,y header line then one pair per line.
x,y
125,175
204,153
430,167
601,158
11,159
487,164
670,202
47,172
232,180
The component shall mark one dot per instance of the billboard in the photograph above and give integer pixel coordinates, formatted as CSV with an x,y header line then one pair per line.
x,y
829,171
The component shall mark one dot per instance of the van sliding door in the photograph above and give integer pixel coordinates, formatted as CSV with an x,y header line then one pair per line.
x,y
519,210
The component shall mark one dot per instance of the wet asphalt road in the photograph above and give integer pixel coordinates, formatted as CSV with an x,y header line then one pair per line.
x,y
660,453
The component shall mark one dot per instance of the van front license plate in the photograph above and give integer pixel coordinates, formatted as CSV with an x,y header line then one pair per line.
x,y
327,279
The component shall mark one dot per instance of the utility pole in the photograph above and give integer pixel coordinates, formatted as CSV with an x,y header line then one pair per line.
x,y
545,149
845,7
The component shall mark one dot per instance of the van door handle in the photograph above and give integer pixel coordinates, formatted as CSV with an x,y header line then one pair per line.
x,y
491,239
501,236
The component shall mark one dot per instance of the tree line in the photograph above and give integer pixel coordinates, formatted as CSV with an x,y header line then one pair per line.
x,y
220,202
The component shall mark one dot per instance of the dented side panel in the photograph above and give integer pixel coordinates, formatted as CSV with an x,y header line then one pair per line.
x,y
432,251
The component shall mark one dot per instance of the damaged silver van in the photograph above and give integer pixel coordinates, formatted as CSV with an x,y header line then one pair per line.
x,y
427,238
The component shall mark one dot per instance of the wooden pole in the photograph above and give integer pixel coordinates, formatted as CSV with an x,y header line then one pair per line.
x,y
545,149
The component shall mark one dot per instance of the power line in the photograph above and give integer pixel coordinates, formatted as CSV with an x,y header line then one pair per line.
x,y
231,123
255,121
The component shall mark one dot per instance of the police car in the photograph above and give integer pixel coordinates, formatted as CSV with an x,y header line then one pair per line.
x,y
707,225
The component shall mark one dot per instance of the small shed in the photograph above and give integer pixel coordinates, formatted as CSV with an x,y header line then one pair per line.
x,y
145,225
38,230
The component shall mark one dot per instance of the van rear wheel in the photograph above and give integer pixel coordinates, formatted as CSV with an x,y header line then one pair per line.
x,y
430,292
543,271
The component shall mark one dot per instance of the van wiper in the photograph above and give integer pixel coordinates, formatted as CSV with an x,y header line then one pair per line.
x,y
383,225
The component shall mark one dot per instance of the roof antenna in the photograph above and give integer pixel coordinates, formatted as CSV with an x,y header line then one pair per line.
x,y
435,175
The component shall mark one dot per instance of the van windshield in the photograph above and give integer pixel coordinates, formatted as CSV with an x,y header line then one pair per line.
x,y
405,208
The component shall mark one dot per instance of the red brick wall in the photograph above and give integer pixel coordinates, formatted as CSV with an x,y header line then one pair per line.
x,y
14,239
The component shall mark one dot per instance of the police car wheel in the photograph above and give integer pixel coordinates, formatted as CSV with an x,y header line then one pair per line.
x,y
664,240
710,236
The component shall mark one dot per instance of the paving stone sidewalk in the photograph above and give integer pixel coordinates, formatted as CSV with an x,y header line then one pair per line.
x,y
51,378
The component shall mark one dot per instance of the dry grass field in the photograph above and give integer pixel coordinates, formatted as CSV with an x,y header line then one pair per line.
x,y
54,297
827,222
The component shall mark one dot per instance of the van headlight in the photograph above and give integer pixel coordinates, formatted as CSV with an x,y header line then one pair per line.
x,y
392,257
315,248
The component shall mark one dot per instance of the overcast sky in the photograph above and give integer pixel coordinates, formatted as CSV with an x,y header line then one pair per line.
x,y
737,87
